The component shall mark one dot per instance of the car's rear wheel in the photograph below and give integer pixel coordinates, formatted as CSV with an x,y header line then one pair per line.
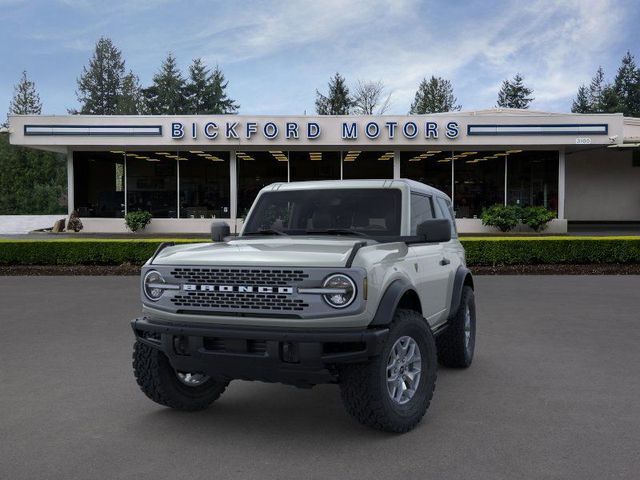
x,y
393,391
162,384
456,345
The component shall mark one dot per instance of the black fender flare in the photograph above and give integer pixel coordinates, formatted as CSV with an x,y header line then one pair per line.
x,y
463,275
389,302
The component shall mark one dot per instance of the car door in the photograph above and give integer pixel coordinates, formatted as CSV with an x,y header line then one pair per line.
x,y
431,271
452,250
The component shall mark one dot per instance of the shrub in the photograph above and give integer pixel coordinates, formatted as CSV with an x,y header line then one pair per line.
x,y
74,223
137,220
80,251
479,251
503,217
537,217
551,250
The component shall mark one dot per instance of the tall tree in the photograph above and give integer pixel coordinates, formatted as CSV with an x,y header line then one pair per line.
x,y
370,98
581,104
627,86
222,103
130,100
100,83
514,93
434,95
337,101
596,89
167,96
206,91
26,100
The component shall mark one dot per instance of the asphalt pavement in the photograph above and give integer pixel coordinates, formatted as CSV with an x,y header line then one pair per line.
x,y
554,392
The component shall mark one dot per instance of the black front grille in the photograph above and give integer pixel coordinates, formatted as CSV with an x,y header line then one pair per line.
x,y
239,301
239,276
216,344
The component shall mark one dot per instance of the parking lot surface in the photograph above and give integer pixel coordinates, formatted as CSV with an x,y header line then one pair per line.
x,y
554,392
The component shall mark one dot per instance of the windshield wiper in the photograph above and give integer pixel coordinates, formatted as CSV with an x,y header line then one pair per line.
x,y
338,231
266,231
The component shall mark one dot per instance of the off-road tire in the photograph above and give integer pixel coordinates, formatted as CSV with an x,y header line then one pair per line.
x,y
158,380
364,385
452,348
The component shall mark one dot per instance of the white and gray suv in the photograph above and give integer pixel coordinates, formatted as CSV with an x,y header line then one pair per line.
x,y
362,283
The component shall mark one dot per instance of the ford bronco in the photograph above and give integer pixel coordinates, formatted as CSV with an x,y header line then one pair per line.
x,y
361,283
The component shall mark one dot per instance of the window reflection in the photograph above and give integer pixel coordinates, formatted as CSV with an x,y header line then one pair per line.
x,y
152,183
318,165
479,181
99,184
532,178
364,164
204,184
257,170
431,167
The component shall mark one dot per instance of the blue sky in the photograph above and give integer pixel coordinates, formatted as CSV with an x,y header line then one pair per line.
x,y
276,53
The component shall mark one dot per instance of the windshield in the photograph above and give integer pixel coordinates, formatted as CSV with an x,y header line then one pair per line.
x,y
363,212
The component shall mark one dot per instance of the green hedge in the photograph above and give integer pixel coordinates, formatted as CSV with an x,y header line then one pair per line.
x,y
551,250
79,251
480,250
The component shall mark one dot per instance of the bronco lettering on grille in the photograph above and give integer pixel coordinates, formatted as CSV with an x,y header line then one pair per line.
x,y
237,289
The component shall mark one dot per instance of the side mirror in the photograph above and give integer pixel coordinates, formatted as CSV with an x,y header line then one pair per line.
x,y
219,230
434,230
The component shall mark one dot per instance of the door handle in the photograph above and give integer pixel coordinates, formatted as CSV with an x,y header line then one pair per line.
x,y
445,261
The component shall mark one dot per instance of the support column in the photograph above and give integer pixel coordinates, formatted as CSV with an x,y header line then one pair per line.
x,y
396,164
178,187
506,167
561,183
70,193
233,189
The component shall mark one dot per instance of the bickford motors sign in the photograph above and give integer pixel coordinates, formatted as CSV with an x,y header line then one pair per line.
x,y
290,130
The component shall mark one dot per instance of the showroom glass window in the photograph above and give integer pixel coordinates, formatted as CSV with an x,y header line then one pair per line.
x,y
479,181
152,183
99,184
257,170
532,178
204,184
364,164
317,165
431,167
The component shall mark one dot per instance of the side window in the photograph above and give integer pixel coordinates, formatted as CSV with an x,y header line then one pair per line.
x,y
447,212
421,210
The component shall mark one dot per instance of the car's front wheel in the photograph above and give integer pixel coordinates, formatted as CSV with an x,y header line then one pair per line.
x,y
162,384
393,391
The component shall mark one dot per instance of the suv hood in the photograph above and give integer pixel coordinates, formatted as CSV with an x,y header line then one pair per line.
x,y
324,251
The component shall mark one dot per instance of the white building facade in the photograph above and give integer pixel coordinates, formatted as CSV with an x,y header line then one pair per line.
x,y
187,170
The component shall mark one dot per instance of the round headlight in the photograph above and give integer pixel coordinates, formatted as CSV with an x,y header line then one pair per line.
x,y
344,290
150,285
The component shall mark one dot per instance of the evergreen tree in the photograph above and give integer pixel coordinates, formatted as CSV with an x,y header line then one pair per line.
x,y
514,93
596,88
31,181
222,103
100,84
206,92
26,100
627,86
337,101
434,95
130,101
167,96
581,104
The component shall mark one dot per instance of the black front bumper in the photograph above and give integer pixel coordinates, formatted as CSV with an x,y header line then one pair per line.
x,y
292,356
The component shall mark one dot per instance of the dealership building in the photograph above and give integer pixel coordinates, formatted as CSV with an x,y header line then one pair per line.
x,y
187,170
